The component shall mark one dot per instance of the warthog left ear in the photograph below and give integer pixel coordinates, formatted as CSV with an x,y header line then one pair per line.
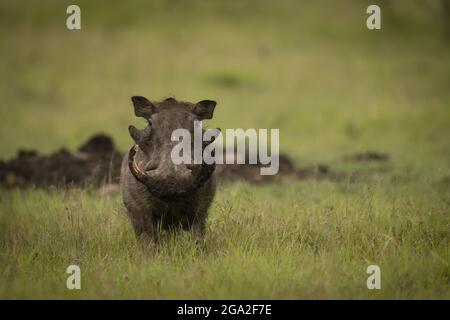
x,y
143,107
204,109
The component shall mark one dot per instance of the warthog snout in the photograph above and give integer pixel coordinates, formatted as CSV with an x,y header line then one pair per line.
x,y
170,180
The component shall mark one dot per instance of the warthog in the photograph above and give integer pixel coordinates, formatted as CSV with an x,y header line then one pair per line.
x,y
157,193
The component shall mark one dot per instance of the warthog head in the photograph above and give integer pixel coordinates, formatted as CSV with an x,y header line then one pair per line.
x,y
150,159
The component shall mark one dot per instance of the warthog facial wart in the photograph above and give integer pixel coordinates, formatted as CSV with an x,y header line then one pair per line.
x,y
214,152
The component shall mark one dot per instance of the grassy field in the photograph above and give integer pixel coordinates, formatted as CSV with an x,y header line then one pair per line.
x,y
312,69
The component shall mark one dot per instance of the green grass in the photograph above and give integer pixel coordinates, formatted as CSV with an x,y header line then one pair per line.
x,y
311,69
311,240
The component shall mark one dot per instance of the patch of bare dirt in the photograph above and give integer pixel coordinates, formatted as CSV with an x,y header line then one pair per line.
x,y
368,156
97,162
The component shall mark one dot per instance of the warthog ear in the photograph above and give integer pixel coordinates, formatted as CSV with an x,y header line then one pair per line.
x,y
204,109
143,107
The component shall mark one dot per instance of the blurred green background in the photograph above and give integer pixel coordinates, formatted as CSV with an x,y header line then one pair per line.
x,y
312,69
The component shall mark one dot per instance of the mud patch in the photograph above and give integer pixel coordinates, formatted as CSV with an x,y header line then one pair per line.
x,y
368,156
97,162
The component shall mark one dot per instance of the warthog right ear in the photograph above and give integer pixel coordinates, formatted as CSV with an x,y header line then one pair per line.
x,y
204,109
143,107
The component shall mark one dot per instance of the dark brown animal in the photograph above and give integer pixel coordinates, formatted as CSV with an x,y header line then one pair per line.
x,y
157,193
